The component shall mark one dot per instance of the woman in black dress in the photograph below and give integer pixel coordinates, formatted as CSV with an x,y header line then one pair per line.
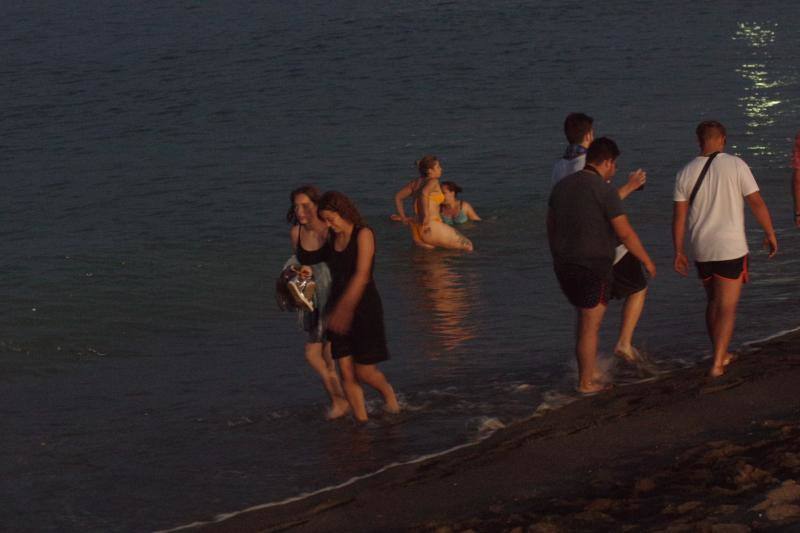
x,y
355,313
309,236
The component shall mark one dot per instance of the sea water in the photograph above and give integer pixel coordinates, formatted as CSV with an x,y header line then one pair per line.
x,y
147,378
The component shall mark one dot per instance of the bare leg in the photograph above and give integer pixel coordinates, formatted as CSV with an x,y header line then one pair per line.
x,y
319,358
631,312
373,377
586,340
352,390
440,234
723,296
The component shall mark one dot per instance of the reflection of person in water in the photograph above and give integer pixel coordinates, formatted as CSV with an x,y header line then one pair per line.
x,y
429,228
447,297
453,210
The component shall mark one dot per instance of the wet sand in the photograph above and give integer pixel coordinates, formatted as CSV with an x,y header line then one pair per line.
x,y
683,453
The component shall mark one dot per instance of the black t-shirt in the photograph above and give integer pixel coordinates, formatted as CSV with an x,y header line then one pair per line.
x,y
583,205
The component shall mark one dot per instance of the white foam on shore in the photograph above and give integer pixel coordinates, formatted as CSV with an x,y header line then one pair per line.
x,y
225,516
553,400
771,337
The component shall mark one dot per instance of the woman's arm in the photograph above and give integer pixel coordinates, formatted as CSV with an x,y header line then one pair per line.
x,y
469,211
400,197
294,236
341,318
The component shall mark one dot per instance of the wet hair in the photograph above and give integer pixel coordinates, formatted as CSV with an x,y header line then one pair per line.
x,y
452,186
601,150
709,129
576,126
310,191
342,205
426,163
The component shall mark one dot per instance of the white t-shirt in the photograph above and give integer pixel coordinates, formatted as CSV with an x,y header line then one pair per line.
x,y
565,167
716,217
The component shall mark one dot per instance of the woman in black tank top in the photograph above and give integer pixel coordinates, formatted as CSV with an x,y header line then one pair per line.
x,y
355,311
309,241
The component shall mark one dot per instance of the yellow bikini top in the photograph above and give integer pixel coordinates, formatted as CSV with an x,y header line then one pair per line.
x,y
437,197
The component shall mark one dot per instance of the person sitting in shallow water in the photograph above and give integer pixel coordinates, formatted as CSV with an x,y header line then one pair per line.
x,y
429,230
453,210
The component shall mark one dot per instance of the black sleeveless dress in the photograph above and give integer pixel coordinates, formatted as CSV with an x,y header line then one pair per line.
x,y
366,340
313,320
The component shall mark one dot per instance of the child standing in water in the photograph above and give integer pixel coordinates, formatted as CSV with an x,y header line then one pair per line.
x,y
355,317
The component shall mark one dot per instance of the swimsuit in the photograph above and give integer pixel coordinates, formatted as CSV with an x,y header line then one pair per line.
x,y
460,218
438,199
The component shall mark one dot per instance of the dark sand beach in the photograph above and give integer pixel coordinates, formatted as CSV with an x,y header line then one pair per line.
x,y
682,453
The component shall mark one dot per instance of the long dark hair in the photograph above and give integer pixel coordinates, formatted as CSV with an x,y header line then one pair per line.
x,y
341,204
452,186
310,191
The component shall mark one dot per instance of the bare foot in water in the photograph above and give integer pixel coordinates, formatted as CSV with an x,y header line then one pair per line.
x,y
595,388
718,370
392,407
629,354
339,408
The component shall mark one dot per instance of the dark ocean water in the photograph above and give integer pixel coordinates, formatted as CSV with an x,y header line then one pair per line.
x,y
146,377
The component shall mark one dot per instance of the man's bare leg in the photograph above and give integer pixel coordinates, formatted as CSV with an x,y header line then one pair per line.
x,y
723,296
586,340
631,312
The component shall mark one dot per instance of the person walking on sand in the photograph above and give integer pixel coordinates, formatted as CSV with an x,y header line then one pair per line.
x,y
585,220
630,282
796,179
308,236
710,193
355,317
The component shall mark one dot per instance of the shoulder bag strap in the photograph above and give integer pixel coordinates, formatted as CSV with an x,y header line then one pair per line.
x,y
702,177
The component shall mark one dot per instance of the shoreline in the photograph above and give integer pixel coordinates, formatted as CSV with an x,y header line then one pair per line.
x,y
503,480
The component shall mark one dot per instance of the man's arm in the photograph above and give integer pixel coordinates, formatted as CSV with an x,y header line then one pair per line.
x,y
760,211
796,190
680,262
631,241
636,179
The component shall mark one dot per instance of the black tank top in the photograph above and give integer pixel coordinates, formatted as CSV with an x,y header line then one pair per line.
x,y
343,264
311,257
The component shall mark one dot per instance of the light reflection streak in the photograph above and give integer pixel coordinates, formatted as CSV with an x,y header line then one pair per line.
x,y
758,102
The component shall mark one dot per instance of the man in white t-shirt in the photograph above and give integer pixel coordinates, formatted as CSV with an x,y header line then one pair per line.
x,y
715,212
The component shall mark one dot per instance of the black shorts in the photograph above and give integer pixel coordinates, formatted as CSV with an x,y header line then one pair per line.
x,y
728,269
583,287
629,277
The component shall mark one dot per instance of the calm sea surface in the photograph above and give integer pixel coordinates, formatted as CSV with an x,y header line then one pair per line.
x,y
147,149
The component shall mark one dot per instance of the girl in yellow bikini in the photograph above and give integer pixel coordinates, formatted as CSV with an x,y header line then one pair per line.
x,y
428,230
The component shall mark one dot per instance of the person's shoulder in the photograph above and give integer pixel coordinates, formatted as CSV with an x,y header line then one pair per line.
x,y
294,232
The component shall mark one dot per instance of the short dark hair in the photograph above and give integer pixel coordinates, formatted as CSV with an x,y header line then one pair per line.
x,y
310,191
425,164
709,129
452,186
576,126
341,204
601,150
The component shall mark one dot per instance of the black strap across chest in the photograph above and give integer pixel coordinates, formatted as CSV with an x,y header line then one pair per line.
x,y
702,177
